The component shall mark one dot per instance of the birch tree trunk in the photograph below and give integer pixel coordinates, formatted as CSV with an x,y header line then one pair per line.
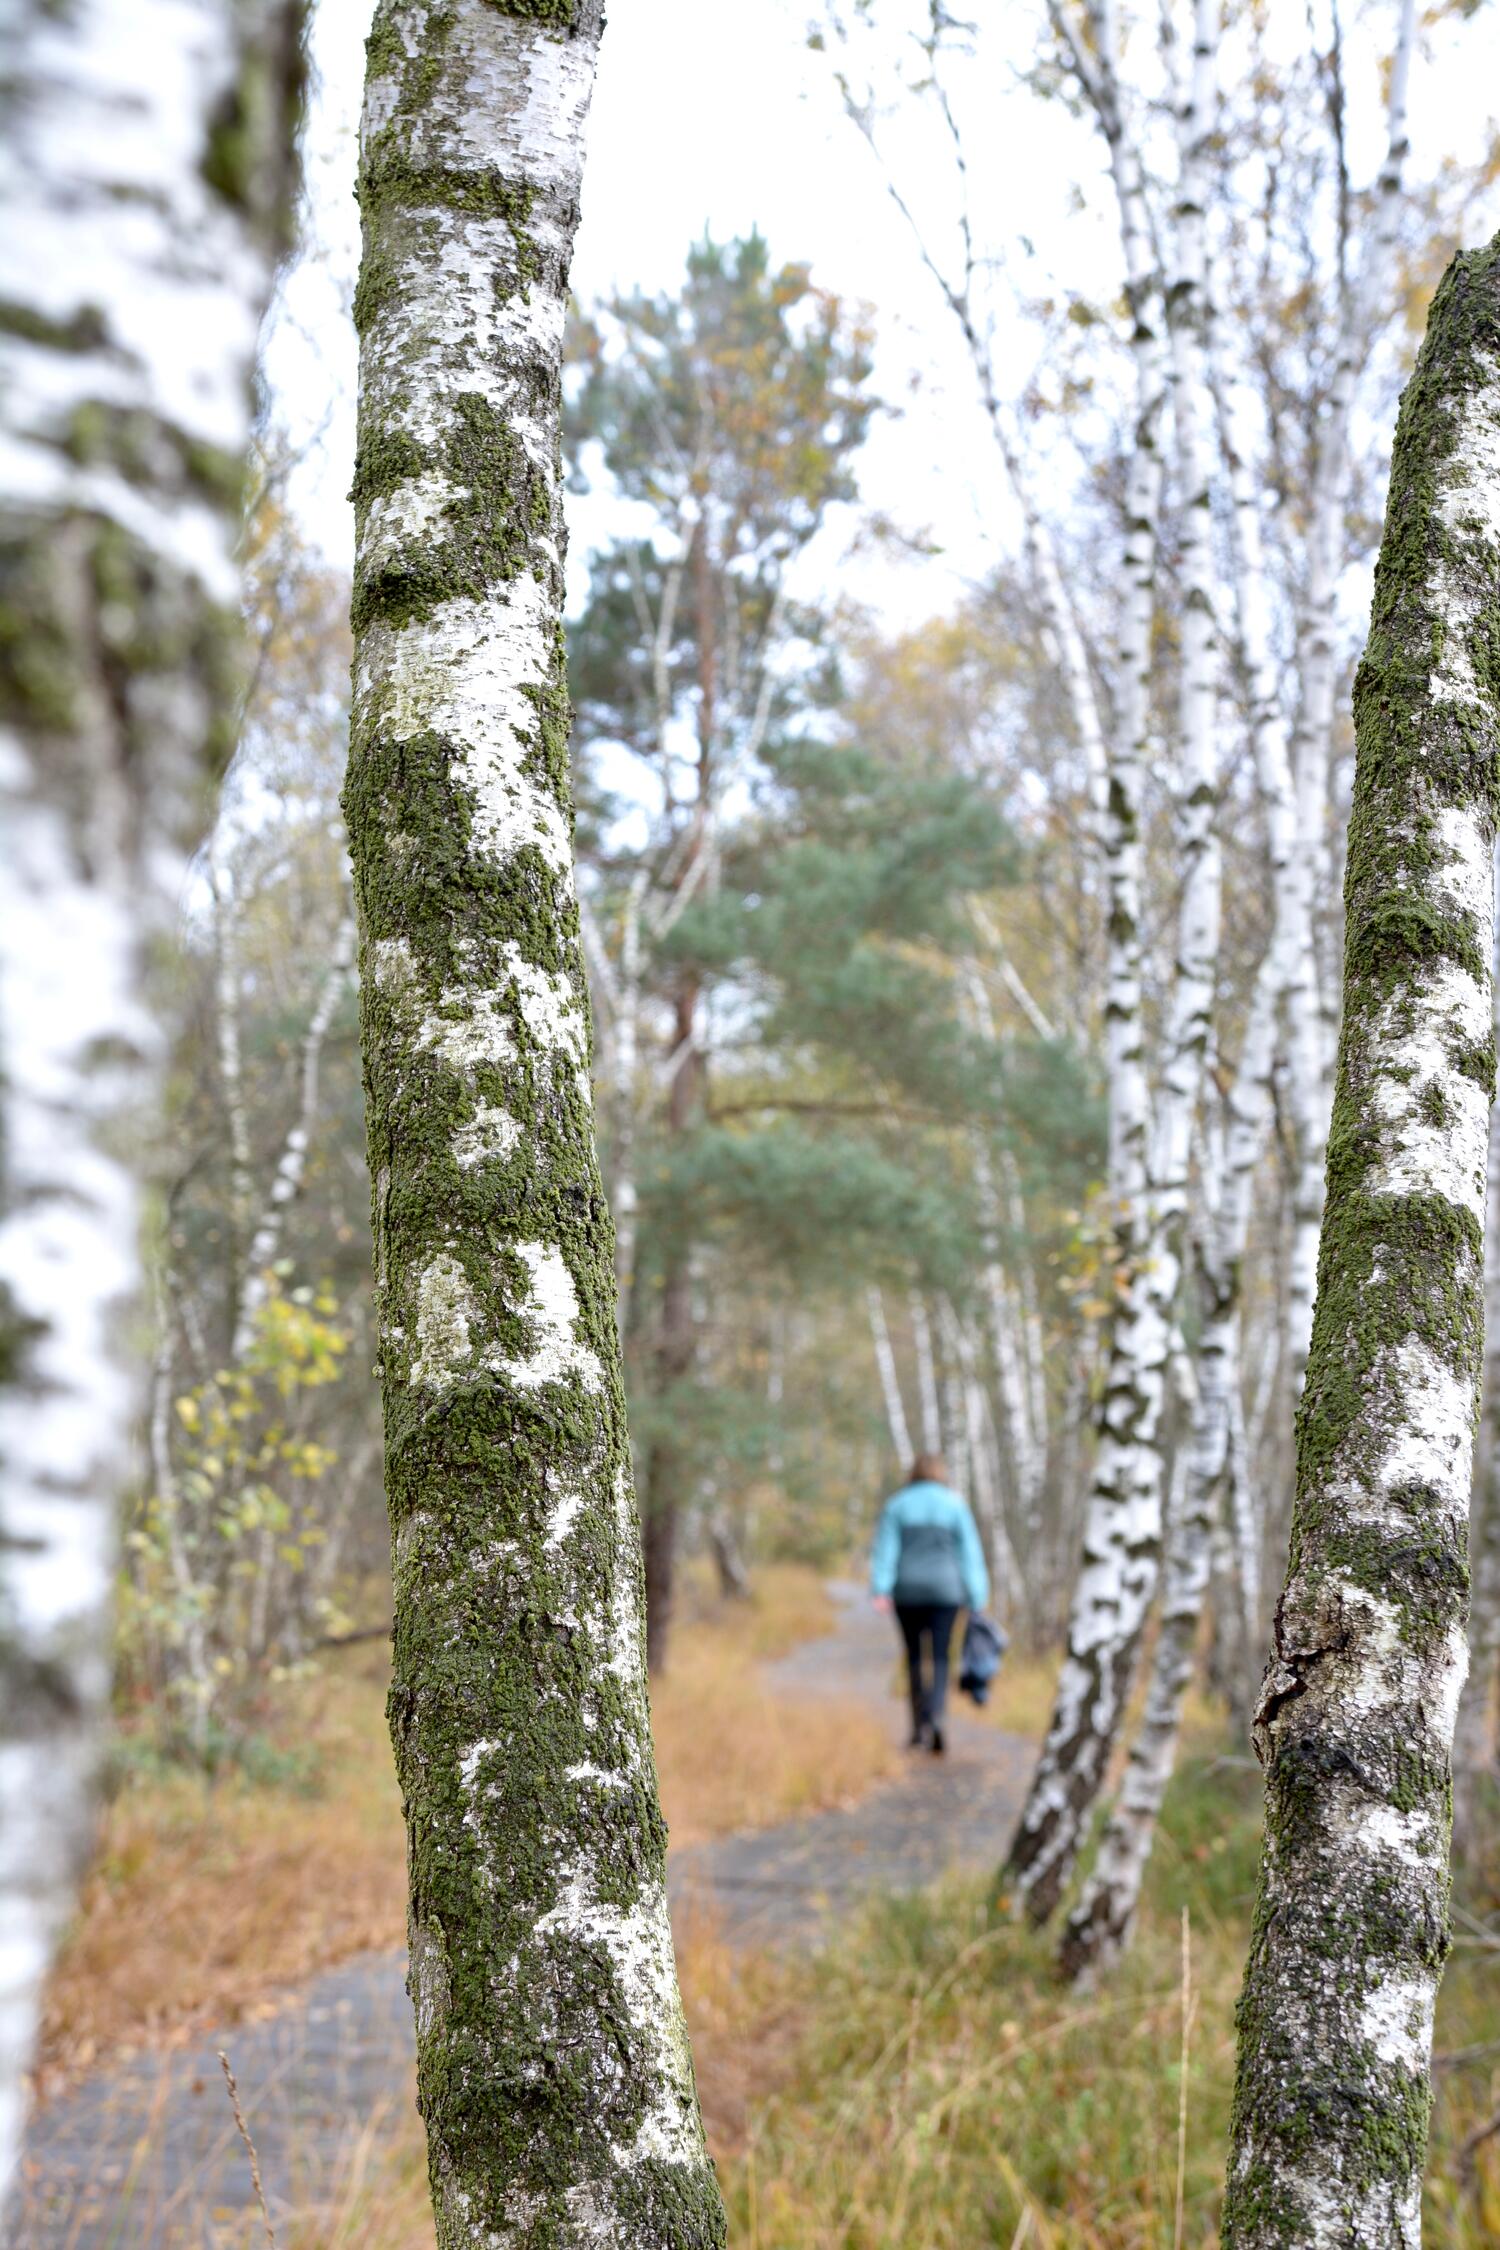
x,y
228,977
553,2067
890,1380
1100,1925
145,177
1317,664
927,1382
291,1164
1355,1721
1122,1529
1474,1737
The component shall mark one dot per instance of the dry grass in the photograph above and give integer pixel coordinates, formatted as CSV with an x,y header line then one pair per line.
x,y
205,1899
1021,1699
927,2082
731,1752
203,1896
747,2018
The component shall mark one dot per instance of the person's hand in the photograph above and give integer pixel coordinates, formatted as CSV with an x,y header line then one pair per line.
x,y
881,1601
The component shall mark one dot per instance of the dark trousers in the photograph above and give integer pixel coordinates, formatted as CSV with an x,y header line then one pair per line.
x,y
930,1623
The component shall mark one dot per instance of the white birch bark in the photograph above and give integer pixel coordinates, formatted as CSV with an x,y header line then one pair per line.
x,y
1031,1333
927,1382
1122,1530
1099,1927
553,2068
1188,325
1246,1538
1355,1720
956,1423
1026,1466
890,1381
1317,666
1474,1736
227,987
1008,1585
144,179
286,1180
168,1497
1015,1325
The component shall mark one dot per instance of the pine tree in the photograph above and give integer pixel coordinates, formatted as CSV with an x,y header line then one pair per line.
x,y
552,2062
1355,1721
731,411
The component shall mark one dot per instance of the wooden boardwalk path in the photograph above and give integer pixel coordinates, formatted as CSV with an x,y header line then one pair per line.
x,y
145,2154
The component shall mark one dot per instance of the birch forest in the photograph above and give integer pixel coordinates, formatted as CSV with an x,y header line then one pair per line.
x,y
749,770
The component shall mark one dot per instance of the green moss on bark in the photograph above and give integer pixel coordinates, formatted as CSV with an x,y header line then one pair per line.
x,y
1355,1752
85,331
500,503
536,1844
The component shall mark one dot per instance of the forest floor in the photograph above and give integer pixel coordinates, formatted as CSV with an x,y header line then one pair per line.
x,y
263,1918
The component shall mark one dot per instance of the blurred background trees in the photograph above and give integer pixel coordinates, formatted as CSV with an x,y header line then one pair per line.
x,y
839,1127
846,910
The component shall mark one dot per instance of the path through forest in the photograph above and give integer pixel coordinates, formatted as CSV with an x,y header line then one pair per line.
x,y
146,2155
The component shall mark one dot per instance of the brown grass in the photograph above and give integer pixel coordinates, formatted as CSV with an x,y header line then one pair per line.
x,y
747,2017
203,1896
731,1752
205,1900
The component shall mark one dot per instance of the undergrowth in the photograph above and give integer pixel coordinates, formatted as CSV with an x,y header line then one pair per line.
x,y
926,2083
210,1890
948,2092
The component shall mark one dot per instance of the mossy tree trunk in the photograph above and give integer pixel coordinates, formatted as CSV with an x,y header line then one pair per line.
x,y
1355,1722
1474,1729
147,176
1308,1041
553,2068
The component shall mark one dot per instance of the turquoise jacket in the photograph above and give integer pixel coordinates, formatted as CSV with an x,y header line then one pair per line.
x,y
927,1549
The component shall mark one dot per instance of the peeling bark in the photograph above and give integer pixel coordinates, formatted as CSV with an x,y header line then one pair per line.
x,y
553,2069
1355,1721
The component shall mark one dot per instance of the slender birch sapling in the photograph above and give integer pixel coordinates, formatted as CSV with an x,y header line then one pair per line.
x,y
1123,1520
1100,1925
1355,1721
552,2061
146,168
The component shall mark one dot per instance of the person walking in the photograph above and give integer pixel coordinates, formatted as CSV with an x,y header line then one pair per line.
x,y
927,1564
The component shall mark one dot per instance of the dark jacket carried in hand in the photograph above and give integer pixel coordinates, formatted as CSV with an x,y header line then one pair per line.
x,y
984,1645
927,1550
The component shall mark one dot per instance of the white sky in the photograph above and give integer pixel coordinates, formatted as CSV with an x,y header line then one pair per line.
x,y
714,115
705,115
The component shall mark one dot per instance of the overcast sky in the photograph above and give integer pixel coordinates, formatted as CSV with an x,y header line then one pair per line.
x,y
718,116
